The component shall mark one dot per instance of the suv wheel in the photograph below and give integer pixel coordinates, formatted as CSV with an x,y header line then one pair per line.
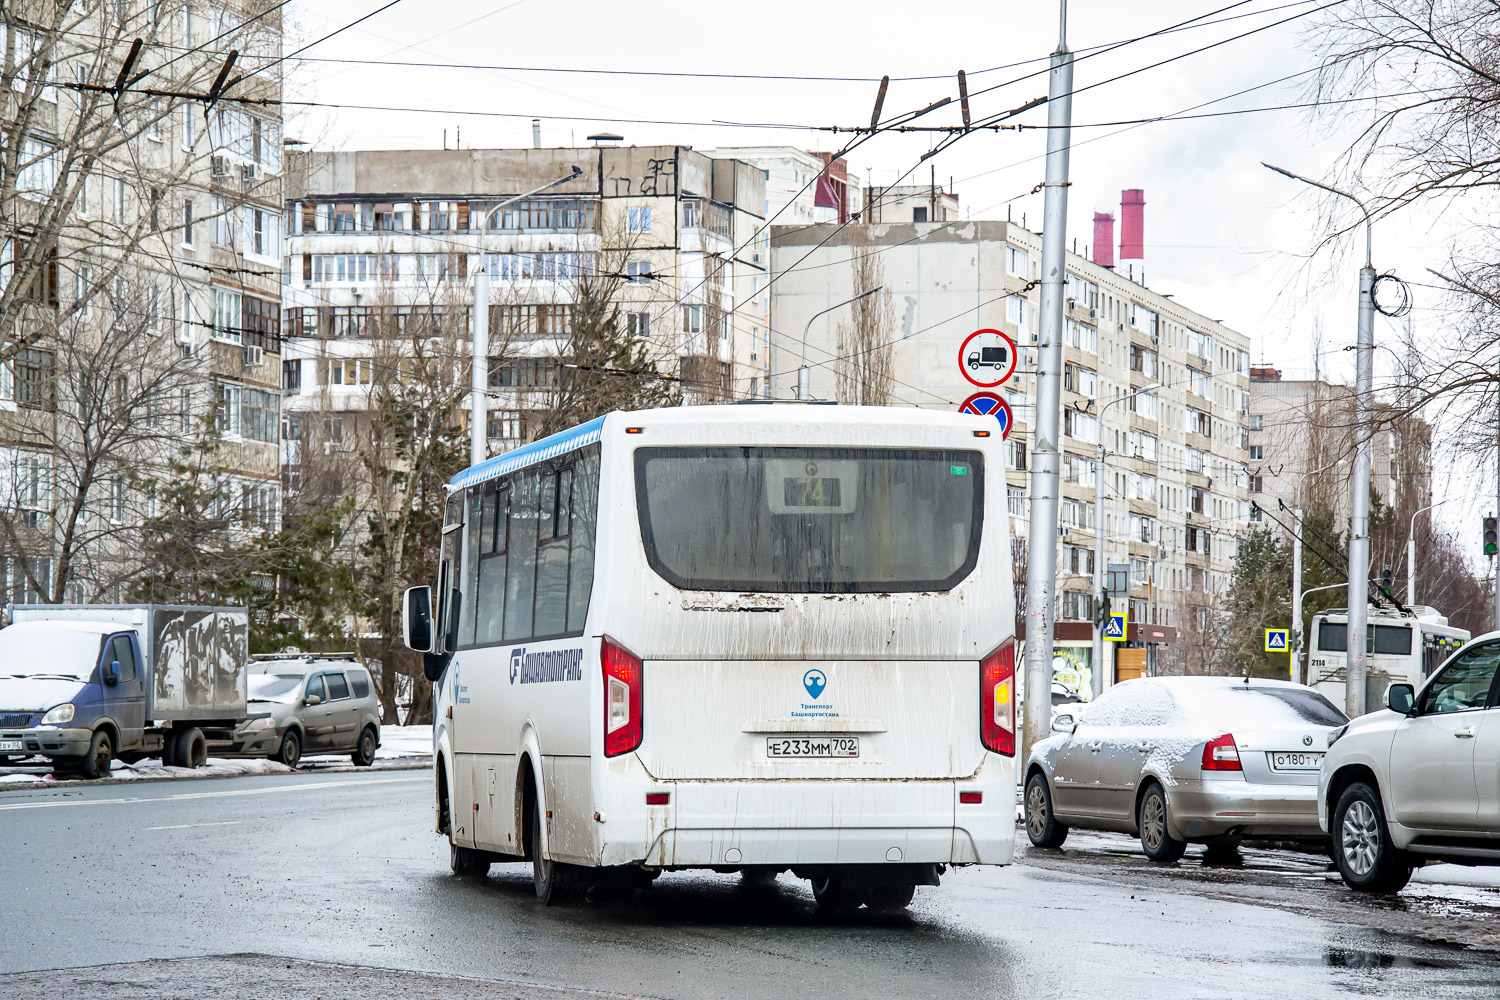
x,y
1362,846
364,752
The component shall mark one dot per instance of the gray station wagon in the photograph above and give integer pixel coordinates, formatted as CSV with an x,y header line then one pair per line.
x,y
311,704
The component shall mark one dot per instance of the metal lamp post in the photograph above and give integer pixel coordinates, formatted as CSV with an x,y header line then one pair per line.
x,y
1411,554
479,334
1359,514
1096,671
804,379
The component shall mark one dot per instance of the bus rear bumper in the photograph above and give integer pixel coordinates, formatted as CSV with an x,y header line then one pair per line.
x,y
709,824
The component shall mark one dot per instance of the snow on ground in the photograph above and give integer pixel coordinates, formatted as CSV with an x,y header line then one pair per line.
x,y
399,745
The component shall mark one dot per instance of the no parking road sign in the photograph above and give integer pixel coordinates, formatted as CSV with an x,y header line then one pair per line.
x,y
1278,640
988,404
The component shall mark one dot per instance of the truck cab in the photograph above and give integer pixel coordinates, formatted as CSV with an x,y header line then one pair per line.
x,y
72,691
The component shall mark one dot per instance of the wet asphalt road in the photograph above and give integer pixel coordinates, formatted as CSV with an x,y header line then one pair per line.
x,y
342,869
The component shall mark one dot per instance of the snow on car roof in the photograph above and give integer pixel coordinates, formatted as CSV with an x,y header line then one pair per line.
x,y
1212,702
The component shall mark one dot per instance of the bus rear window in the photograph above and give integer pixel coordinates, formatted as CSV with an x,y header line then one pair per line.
x,y
810,520
1393,640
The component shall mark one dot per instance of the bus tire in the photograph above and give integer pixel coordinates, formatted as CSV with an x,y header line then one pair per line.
x,y
836,896
465,861
544,873
890,900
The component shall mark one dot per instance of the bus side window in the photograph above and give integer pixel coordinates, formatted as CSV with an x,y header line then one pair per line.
x,y
520,575
469,579
490,593
551,616
583,518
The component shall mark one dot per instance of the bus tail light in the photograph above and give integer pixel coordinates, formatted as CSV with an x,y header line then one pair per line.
x,y
997,700
622,699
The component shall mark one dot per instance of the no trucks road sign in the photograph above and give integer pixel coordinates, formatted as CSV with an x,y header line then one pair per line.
x,y
989,404
987,358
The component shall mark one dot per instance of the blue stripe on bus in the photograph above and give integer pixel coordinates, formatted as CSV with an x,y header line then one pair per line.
x,y
538,451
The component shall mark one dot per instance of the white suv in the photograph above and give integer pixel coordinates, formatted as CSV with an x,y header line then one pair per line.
x,y
1419,782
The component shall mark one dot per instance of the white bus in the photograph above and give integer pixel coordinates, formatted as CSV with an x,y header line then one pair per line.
x,y
1398,647
748,638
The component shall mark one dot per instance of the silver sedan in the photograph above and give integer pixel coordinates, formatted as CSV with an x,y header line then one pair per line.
x,y
1181,760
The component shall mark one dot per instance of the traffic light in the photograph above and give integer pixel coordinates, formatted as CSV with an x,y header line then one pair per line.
x,y
1385,581
1491,537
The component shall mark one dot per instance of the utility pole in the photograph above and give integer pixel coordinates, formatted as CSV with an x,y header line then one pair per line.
x,y
479,363
1096,663
1359,526
1041,563
1297,677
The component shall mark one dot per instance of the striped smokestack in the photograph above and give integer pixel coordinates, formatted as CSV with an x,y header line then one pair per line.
x,y
1104,239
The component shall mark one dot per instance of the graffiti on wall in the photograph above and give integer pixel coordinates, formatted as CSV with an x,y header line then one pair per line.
x,y
199,659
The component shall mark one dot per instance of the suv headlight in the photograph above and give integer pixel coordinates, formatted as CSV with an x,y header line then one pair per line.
x,y
57,716
1334,734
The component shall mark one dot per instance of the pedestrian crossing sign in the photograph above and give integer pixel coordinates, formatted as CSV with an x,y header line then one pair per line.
x,y
1114,629
1278,640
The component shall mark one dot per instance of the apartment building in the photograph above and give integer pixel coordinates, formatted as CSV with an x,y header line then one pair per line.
x,y
801,187
1176,489
405,230
910,203
140,286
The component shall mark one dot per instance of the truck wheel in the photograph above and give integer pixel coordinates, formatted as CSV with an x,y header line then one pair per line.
x,y
101,752
192,748
291,749
364,753
169,748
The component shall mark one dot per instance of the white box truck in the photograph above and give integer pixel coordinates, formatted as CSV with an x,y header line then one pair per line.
x,y
83,684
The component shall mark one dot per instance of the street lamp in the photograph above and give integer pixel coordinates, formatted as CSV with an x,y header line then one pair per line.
x,y
1297,569
479,363
804,391
1096,670
1359,526
1411,554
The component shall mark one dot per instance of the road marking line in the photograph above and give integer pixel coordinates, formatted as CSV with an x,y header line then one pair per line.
x,y
207,795
190,826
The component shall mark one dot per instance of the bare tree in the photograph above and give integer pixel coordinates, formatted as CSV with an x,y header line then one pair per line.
x,y
863,369
97,416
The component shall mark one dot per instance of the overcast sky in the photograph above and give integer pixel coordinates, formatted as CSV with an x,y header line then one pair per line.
x,y
1225,236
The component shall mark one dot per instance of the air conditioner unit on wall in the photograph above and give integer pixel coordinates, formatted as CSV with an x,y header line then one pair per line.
x,y
254,356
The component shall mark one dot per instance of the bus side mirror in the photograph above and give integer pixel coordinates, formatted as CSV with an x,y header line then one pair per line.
x,y
416,619
1400,698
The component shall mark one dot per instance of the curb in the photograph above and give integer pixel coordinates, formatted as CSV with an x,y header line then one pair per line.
x,y
389,764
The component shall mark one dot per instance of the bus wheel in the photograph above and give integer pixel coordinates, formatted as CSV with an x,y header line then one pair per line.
x,y
544,874
466,861
891,899
836,896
